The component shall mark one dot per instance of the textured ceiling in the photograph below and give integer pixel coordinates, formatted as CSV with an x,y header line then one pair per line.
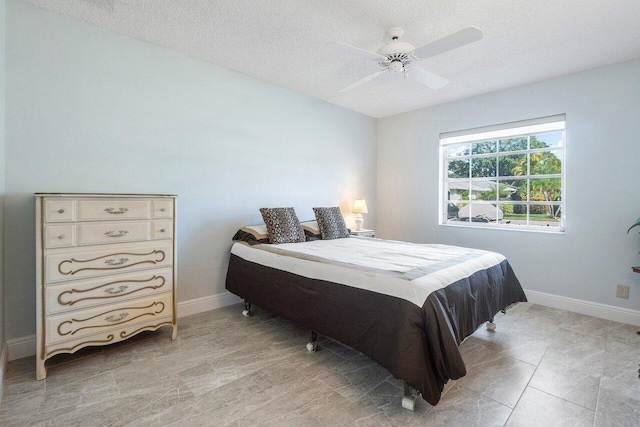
x,y
284,41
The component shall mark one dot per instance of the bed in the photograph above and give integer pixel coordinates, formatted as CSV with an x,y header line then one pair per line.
x,y
406,306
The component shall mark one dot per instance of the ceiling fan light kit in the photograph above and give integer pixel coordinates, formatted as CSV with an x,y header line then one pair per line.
x,y
399,57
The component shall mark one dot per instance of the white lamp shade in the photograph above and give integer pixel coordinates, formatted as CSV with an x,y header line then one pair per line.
x,y
359,206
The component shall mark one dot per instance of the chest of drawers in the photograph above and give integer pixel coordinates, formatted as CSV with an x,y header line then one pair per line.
x,y
105,270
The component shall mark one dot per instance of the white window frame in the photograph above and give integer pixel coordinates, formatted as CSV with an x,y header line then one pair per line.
x,y
525,128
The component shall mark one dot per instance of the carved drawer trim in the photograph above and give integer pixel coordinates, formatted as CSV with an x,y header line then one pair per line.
x,y
109,290
80,323
102,339
111,261
157,307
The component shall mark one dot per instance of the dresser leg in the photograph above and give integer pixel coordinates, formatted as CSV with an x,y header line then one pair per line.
x,y
174,335
41,371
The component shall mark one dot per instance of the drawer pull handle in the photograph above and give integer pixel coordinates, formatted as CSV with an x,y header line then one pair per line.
x,y
162,209
121,289
114,319
114,234
115,211
61,236
114,262
162,230
60,211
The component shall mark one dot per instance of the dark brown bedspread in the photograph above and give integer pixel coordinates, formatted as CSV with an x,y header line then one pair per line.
x,y
416,344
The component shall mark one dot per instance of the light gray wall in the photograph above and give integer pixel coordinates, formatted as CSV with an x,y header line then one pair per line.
x,y
2,171
602,169
92,111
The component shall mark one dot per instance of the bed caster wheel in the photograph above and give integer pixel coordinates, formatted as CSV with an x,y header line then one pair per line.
x,y
409,402
311,347
491,326
246,313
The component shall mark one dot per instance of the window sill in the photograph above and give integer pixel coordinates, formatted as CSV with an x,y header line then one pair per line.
x,y
540,230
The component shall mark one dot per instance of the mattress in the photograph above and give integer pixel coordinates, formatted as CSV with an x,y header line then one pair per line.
x,y
399,269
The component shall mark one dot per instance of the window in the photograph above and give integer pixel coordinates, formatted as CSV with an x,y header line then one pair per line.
x,y
505,176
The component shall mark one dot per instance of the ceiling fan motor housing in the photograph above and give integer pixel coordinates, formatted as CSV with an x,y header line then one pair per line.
x,y
396,67
396,47
397,52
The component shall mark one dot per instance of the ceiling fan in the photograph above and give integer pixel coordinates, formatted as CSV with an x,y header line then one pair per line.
x,y
400,57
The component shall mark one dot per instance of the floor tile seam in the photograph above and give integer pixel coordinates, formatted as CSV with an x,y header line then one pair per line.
x,y
626,396
495,401
484,397
501,339
396,386
330,386
120,392
508,357
524,390
566,400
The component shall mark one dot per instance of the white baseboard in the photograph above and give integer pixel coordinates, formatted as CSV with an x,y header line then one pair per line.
x,y
211,302
26,346
3,366
21,347
603,311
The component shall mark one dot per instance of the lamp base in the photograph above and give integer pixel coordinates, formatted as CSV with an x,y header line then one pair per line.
x,y
359,221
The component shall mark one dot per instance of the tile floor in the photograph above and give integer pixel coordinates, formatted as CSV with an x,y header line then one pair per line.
x,y
542,367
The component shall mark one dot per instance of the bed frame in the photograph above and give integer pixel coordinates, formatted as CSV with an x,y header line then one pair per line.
x,y
379,325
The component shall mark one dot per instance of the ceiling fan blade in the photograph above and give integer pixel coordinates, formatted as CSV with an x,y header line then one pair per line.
x,y
362,81
341,47
427,78
452,41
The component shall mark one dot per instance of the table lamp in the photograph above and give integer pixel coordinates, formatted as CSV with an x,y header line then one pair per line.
x,y
359,207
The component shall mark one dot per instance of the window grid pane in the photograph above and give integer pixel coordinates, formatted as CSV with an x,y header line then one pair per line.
x,y
514,182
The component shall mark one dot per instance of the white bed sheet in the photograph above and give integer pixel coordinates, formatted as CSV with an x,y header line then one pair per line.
x,y
374,257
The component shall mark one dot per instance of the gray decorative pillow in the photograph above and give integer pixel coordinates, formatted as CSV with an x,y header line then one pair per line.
x,y
283,225
331,223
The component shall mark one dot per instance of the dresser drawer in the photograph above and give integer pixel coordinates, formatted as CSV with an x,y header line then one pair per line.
x,y
161,230
85,234
77,264
112,210
112,232
81,323
59,210
162,209
59,236
109,336
109,290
